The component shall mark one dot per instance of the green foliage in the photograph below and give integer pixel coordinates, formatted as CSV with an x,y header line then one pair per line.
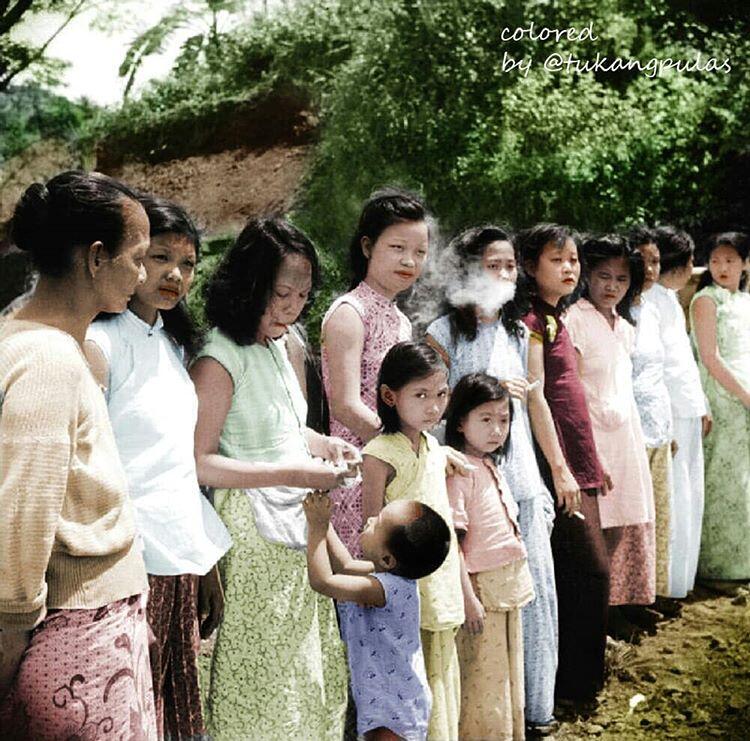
x,y
29,113
426,101
206,46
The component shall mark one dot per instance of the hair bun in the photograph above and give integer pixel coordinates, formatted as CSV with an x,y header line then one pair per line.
x,y
31,219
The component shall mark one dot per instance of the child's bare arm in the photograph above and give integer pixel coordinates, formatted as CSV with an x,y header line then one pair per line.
x,y
365,590
376,475
341,560
473,607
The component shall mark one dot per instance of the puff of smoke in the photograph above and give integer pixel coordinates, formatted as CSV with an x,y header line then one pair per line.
x,y
448,278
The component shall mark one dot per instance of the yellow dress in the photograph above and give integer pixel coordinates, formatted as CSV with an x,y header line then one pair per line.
x,y
421,477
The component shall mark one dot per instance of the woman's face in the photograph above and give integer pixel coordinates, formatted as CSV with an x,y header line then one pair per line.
x,y
651,264
499,261
118,276
726,266
557,271
288,297
170,268
608,283
396,259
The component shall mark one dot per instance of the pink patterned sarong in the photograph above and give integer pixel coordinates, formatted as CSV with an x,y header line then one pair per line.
x,y
85,675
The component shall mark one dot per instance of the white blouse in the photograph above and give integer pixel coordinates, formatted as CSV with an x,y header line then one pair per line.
x,y
649,388
153,409
680,369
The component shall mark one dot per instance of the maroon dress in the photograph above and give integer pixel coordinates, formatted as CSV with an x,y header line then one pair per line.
x,y
578,547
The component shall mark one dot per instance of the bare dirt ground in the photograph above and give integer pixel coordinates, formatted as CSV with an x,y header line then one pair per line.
x,y
221,190
690,681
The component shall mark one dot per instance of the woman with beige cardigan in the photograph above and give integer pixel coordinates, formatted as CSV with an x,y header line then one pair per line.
x,y
73,638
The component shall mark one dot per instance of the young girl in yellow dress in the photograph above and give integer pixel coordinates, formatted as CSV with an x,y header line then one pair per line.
x,y
406,462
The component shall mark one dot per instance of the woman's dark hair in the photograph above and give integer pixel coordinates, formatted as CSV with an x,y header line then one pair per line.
x,y
640,235
421,546
530,244
596,250
738,242
471,391
676,247
404,362
166,217
74,209
382,209
469,247
239,290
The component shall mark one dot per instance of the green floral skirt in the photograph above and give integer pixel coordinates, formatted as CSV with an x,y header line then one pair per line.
x,y
279,668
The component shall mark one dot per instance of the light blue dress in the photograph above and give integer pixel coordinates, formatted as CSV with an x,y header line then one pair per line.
x,y
388,679
495,352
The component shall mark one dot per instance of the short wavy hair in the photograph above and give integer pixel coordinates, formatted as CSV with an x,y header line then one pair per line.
x,y
239,290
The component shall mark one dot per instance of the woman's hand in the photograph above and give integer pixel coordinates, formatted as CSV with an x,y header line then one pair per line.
x,y
12,645
517,388
475,614
317,475
608,484
210,602
456,462
674,448
340,452
707,422
568,492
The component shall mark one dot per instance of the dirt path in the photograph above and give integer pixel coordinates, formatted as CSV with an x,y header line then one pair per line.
x,y
693,676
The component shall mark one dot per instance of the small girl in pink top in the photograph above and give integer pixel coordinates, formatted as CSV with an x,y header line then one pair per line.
x,y
495,577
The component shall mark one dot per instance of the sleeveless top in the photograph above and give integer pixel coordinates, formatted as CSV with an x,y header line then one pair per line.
x,y
565,394
421,477
384,325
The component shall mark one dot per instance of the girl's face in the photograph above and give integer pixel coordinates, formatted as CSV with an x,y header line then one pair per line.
x,y
485,428
651,264
118,276
288,297
726,266
557,271
397,257
608,283
170,269
420,403
499,261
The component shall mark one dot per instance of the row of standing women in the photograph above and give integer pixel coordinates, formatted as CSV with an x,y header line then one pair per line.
x,y
607,414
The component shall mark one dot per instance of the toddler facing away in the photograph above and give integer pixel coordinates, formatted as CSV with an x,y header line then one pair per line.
x,y
378,602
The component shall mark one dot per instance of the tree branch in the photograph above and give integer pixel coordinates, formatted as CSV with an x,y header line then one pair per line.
x,y
6,78
9,19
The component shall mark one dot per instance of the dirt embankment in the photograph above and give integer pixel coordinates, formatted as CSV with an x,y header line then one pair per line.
x,y
240,161
222,190
690,681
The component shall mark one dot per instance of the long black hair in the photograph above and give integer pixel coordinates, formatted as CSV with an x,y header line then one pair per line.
x,y
469,246
403,363
382,209
239,290
470,392
599,249
72,210
739,242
